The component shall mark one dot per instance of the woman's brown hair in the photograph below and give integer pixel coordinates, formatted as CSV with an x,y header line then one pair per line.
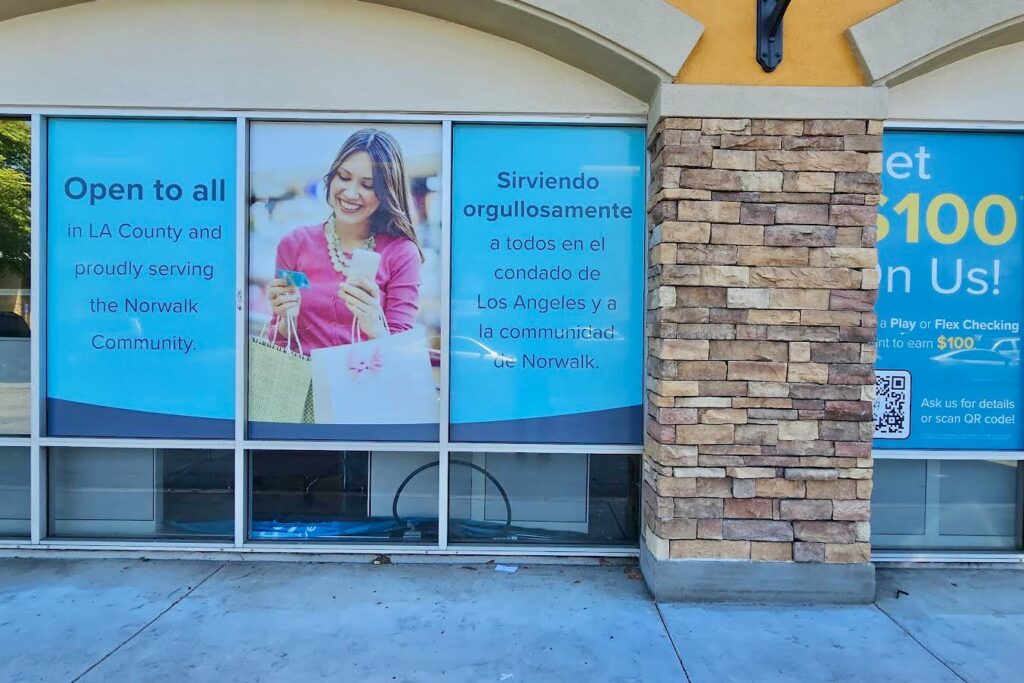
x,y
392,217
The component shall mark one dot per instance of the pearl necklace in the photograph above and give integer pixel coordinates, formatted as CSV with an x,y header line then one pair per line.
x,y
337,252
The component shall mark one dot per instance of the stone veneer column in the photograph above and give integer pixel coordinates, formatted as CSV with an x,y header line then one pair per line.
x,y
761,289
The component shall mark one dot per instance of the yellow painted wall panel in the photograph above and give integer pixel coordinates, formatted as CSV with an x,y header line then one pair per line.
x,y
817,51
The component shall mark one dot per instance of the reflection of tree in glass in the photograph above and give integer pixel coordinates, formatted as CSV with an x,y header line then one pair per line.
x,y
15,168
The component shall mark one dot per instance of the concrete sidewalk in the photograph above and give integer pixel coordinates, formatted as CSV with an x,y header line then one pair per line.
x,y
131,620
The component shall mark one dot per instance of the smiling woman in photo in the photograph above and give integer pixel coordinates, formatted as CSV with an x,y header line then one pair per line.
x,y
369,227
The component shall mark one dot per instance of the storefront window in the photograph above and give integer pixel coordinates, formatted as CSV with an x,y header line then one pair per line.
x,y
15,301
15,496
543,498
951,252
547,284
368,497
140,278
948,375
442,286
947,504
344,281
521,344
141,493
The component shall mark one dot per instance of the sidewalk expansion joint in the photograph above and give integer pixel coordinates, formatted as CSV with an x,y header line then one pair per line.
x,y
922,645
148,623
672,640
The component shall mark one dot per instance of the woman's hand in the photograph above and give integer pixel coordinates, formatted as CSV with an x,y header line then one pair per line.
x,y
284,302
363,299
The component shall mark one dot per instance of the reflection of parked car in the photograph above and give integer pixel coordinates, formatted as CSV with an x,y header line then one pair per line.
x,y
14,349
973,357
13,325
471,349
1008,347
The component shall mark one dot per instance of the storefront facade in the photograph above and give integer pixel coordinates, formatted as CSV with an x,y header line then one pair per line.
x,y
515,277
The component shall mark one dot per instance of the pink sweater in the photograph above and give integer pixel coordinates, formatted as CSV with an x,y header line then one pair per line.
x,y
324,319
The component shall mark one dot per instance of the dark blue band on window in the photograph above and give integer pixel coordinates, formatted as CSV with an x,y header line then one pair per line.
x,y
282,431
614,426
69,418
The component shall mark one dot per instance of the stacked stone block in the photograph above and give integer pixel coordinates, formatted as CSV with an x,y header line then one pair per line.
x,y
761,330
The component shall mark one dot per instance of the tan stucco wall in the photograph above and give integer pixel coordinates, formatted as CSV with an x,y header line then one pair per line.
x,y
816,50
319,55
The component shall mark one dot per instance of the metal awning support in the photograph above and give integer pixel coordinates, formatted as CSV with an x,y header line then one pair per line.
x,y
769,32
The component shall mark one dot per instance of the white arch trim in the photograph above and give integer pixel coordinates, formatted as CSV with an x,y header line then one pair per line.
x,y
914,37
269,55
634,45
9,9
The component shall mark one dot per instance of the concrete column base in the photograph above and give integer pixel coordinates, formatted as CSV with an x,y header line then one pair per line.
x,y
739,581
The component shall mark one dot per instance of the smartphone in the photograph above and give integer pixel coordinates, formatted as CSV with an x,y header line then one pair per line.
x,y
294,278
364,264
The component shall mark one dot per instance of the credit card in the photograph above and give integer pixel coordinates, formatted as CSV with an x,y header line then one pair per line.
x,y
295,278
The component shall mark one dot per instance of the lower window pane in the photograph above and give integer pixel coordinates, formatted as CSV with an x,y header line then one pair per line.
x,y
544,498
978,499
15,474
14,350
946,505
898,500
141,493
359,496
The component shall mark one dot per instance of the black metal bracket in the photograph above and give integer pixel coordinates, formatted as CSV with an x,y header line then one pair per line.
x,y
769,32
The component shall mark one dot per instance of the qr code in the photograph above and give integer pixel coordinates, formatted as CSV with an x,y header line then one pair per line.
x,y
892,404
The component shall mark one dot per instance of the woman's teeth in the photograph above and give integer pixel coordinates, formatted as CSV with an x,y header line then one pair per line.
x,y
349,206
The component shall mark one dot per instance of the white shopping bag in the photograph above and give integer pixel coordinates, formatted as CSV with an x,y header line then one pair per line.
x,y
380,381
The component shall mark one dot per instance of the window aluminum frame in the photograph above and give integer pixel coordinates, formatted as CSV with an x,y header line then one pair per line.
x,y
38,442
911,555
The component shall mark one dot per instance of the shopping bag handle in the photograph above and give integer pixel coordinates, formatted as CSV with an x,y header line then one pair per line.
x,y
293,331
356,334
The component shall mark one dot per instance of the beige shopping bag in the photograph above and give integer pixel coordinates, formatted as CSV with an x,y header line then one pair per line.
x,y
280,388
